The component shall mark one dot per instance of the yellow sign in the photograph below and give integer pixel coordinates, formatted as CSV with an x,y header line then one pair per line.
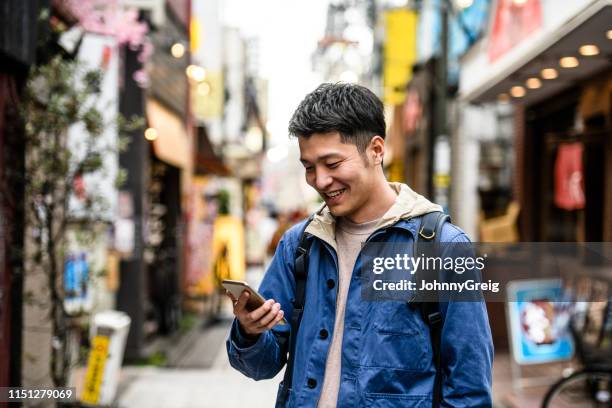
x,y
228,248
399,53
396,171
441,180
207,96
95,369
194,35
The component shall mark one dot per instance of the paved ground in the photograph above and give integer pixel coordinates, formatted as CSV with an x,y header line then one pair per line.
x,y
219,386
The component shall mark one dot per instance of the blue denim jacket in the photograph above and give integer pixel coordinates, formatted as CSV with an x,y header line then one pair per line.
x,y
386,349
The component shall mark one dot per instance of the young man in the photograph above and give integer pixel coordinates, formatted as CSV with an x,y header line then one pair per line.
x,y
351,352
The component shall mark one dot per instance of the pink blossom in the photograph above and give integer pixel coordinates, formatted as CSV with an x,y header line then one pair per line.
x,y
141,77
109,17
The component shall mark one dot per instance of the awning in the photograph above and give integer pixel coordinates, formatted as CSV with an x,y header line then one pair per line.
x,y
172,143
485,81
205,159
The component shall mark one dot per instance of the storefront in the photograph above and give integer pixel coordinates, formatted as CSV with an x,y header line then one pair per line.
x,y
548,63
169,177
557,74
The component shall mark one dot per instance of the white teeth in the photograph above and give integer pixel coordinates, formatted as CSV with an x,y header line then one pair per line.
x,y
334,193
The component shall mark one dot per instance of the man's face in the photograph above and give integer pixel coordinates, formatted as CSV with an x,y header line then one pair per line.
x,y
338,172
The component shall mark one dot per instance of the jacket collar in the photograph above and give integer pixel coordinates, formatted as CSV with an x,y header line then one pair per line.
x,y
408,205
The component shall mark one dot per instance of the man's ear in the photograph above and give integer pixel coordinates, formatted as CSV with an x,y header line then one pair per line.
x,y
377,149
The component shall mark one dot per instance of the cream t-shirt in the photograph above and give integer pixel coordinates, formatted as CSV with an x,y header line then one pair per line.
x,y
349,238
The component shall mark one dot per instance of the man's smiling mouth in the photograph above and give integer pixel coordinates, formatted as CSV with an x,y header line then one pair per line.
x,y
334,194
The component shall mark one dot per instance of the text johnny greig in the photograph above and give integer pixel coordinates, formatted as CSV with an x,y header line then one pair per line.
x,y
411,264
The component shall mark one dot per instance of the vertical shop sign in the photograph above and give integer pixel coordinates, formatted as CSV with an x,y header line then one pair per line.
x,y
208,97
95,369
229,248
513,22
399,53
105,358
412,112
76,282
98,52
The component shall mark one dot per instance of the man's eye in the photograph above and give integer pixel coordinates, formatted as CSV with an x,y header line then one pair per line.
x,y
333,165
309,168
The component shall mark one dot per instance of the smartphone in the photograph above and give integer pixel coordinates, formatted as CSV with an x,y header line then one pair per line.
x,y
255,299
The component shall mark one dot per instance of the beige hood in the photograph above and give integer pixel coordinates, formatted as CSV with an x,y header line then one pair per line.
x,y
408,204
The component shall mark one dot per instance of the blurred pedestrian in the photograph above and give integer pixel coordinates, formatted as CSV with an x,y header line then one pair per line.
x,y
283,225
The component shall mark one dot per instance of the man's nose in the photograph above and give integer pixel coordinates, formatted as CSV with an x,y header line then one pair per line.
x,y
323,180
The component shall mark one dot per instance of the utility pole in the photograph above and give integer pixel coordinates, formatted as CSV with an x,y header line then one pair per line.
x,y
441,143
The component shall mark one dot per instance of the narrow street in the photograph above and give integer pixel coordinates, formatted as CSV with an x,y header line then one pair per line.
x,y
216,386
199,375
155,154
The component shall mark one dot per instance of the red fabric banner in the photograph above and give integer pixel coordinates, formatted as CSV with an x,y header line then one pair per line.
x,y
569,177
514,21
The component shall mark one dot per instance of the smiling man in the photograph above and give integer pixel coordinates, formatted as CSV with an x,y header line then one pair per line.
x,y
350,352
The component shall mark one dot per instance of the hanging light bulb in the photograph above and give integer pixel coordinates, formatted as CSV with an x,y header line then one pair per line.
x,y
589,50
533,83
549,73
569,62
517,91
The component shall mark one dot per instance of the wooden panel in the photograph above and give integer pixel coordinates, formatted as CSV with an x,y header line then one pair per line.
x,y
18,28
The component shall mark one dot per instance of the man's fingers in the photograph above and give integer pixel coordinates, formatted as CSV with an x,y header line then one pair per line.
x,y
278,318
240,304
259,320
261,311
270,316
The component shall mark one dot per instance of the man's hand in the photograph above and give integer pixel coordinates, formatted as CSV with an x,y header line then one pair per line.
x,y
259,320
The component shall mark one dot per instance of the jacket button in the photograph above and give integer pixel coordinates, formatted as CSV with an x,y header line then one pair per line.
x,y
312,383
331,283
323,334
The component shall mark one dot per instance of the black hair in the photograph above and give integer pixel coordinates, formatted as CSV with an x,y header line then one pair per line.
x,y
351,110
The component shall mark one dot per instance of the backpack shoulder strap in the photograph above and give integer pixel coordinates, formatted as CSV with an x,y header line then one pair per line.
x,y
430,231
300,273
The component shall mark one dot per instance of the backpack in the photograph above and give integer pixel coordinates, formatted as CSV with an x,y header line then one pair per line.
x,y
429,231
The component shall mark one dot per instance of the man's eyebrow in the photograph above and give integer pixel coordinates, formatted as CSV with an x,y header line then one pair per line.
x,y
324,157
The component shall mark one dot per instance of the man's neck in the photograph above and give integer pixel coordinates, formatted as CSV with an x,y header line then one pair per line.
x,y
381,199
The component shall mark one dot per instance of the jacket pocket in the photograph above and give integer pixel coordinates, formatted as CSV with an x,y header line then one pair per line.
x,y
379,400
397,339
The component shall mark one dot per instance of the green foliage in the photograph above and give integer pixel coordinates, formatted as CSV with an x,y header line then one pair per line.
x,y
188,322
59,95
157,359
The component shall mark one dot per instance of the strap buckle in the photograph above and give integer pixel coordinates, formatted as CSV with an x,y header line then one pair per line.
x,y
434,319
421,233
